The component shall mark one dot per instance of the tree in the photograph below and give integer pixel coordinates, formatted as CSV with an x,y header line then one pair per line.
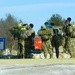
x,y
5,24
56,19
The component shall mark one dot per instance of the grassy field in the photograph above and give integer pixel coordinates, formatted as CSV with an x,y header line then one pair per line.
x,y
37,61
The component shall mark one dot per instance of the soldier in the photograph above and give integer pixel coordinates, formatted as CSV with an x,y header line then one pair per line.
x,y
28,36
29,40
21,42
69,38
16,32
56,41
45,34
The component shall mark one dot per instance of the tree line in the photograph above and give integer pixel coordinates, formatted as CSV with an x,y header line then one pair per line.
x,y
5,24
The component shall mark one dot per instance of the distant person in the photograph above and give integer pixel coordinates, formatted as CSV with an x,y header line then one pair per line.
x,y
69,37
29,40
45,34
56,41
21,42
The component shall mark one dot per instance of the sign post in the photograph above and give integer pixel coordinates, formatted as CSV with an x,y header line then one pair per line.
x,y
2,43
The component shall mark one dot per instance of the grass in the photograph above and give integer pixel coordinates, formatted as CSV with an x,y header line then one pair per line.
x,y
37,61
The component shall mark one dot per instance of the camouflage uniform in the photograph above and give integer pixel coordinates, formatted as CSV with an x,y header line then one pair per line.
x,y
69,31
46,34
16,31
29,42
21,43
70,46
70,41
21,51
28,35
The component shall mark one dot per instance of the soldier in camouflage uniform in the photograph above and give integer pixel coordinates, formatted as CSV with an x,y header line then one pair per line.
x,y
29,41
28,36
16,32
70,38
21,42
46,34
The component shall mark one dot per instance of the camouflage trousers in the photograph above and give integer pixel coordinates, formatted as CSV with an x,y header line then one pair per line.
x,y
28,46
70,46
21,51
47,48
25,48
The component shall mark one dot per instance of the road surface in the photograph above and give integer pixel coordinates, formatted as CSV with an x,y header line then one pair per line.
x,y
37,66
44,69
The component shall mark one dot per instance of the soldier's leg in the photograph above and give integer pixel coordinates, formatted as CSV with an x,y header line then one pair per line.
x,y
72,48
49,48
23,52
71,52
57,51
50,52
28,52
20,50
23,49
27,49
44,50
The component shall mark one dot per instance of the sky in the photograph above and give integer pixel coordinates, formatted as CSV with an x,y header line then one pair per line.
x,y
37,11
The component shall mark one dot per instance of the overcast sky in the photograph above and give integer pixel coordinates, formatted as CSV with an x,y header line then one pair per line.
x,y
37,11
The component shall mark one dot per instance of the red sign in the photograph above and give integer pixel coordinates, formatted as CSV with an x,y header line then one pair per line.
x,y
37,43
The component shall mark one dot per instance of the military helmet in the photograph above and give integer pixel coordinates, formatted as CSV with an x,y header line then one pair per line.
x,y
46,23
24,24
69,19
31,25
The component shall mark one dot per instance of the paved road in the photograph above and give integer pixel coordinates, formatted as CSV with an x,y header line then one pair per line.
x,y
44,69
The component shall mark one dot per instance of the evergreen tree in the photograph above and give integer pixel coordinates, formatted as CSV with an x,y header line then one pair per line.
x,y
56,19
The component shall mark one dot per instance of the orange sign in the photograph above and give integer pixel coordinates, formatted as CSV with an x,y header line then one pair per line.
x,y
37,43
